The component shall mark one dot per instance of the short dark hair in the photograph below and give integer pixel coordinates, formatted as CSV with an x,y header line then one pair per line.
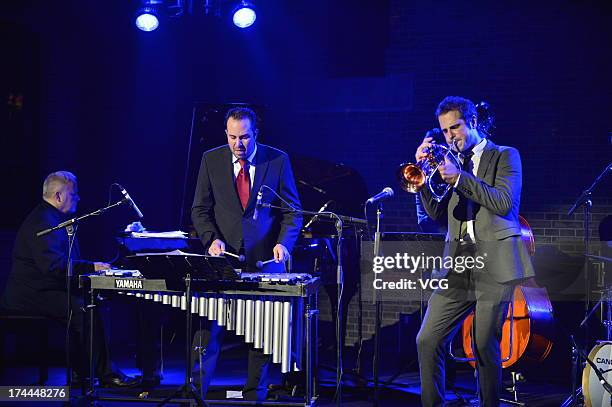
x,y
241,113
465,107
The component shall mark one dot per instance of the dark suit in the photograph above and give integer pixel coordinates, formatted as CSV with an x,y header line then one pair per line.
x,y
217,214
37,282
495,194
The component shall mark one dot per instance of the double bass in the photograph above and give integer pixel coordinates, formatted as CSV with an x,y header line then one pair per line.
x,y
528,325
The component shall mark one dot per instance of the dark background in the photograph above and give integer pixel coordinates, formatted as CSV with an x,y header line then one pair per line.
x,y
354,82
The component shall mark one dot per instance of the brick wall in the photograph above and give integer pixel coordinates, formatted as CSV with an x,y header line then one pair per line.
x,y
543,67
540,69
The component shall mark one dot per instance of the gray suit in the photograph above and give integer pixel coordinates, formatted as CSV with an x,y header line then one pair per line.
x,y
495,194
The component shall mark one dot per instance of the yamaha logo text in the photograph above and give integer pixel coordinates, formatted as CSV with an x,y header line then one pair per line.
x,y
128,283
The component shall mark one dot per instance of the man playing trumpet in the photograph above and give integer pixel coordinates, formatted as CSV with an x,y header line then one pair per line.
x,y
482,212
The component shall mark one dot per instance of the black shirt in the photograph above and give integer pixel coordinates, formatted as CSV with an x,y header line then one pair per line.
x,y
39,263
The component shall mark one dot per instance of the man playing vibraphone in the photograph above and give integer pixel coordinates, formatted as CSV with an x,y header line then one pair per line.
x,y
226,217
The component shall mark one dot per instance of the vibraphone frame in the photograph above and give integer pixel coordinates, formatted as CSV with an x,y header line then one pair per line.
x,y
309,291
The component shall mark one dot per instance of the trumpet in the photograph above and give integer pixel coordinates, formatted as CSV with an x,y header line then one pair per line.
x,y
412,177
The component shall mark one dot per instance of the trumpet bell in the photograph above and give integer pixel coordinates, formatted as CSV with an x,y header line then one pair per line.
x,y
411,178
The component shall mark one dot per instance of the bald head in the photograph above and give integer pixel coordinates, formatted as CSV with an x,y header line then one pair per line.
x,y
60,190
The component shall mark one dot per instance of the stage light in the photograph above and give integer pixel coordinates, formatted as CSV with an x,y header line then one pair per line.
x,y
147,17
244,14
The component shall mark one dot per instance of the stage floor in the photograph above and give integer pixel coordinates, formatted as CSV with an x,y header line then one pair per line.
x,y
231,374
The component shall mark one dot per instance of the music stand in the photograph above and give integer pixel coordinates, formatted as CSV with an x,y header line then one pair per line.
x,y
179,268
172,266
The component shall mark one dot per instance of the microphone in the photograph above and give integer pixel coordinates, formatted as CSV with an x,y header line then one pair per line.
x,y
306,184
384,194
129,200
257,204
311,221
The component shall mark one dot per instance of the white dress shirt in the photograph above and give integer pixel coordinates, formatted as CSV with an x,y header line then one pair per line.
x,y
477,150
249,159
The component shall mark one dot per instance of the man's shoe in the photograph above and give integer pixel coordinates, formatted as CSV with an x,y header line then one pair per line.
x,y
119,380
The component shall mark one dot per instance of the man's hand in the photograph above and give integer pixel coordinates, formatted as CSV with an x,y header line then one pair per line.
x,y
420,154
216,248
99,266
281,253
449,172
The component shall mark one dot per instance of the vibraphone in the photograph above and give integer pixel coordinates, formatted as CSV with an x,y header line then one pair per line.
x,y
274,312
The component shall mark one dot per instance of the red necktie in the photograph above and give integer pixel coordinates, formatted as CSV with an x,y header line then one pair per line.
x,y
243,183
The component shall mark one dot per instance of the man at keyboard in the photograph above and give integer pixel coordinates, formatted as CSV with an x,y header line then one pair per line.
x,y
233,180
37,282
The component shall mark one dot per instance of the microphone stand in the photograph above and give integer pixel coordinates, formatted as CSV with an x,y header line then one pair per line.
x,y
378,312
339,341
71,227
77,219
584,200
340,219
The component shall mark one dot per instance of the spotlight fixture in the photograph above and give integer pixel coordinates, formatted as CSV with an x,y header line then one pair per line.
x,y
244,14
147,16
